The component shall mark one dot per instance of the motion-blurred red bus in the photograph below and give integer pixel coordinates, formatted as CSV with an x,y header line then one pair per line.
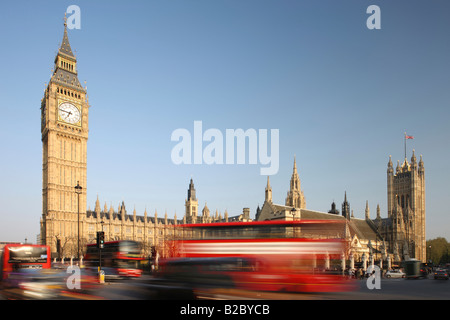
x,y
15,257
120,259
290,256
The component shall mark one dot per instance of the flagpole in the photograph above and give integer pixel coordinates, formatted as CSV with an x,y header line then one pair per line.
x,y
405,145
406,138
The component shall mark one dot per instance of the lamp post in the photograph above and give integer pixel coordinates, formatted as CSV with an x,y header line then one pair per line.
x,y
429,257
293,212
101,246
78,190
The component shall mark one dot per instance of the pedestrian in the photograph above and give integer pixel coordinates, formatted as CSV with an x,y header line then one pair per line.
x,y
360,274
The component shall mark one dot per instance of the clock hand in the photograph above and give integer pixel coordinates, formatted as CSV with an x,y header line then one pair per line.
x,y
69,113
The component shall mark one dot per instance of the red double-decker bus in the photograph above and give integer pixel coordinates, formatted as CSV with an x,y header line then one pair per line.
x,y
290,256
15,257
119,259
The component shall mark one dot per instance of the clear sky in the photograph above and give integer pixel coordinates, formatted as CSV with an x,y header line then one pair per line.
x,y
340,95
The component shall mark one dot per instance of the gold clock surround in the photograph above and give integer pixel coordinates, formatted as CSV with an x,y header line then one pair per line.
x,y
70,113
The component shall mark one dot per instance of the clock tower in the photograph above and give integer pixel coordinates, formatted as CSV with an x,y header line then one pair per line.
x,y
64,134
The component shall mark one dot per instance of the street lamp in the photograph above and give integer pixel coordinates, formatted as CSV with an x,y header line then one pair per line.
x,y
429,257
293,212
78,190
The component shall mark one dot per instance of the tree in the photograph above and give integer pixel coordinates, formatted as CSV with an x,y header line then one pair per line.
x,y
438,250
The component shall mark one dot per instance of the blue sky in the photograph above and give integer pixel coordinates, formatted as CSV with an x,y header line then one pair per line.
x,y
341,95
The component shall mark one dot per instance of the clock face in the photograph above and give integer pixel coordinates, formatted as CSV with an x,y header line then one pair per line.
x,y
69,113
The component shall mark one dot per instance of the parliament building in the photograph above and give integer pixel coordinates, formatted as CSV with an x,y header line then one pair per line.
x,y
66,223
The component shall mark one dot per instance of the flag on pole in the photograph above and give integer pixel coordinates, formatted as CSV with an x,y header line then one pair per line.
x,y
406,138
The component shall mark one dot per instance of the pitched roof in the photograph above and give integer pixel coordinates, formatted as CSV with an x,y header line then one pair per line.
x,y
67,78
362,228
317,215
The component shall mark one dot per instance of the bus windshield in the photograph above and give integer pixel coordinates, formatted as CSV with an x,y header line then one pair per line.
x,y
24,256
27,254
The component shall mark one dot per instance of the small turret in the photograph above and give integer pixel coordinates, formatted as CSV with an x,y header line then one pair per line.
x,y
346,207
205,211
367,211
421,166
413,161
191,191
333,209
390,169
123,212
97,207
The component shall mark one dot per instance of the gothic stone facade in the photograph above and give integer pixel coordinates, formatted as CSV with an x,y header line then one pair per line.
x,y
404,228
149,231
398,237
64,134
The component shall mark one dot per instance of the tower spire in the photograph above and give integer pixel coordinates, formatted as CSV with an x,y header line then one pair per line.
x,y
346,207
295,165
65,45
65,69
268,191
295,197
295,179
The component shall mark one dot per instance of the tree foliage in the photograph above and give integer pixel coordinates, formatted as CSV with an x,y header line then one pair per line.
x,y
438,251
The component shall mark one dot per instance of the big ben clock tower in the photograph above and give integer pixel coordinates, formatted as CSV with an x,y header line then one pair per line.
x,y
64,130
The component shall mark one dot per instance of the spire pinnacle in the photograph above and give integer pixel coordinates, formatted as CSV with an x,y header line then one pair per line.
x,y
268,197
97,205
65,45
413,158
295,179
